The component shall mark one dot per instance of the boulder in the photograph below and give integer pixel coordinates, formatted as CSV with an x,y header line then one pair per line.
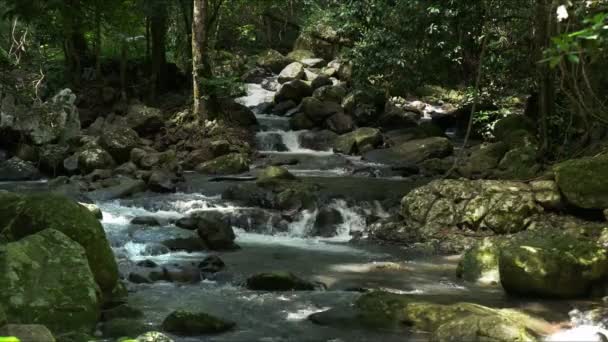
x,y
483,160
16,169
314,62
144,120
320,81
318,111
283,107
70,164
153,336
51,158
211,264
186,323
318,140
215,231
273,61
94,158
330,93
294,90
552,264
27,332
31,214
340,123
301,121
161,181
255,75
273,174
119,141
232,163
411,152
45,279
583,182
520,163
496,328
360,140
126,187
278,281
120,327
327,222
93,209
300,55
122,311
512,123
294,71
480,262
145,221
236,113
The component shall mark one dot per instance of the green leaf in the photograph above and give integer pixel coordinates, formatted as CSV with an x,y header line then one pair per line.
x,y
574,59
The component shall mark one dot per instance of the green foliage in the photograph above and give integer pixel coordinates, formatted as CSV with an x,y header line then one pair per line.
x,y
223,87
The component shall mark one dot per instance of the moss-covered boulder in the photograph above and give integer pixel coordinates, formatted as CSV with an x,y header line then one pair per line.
x,y
278,281
480,262
358,141
583,181
494,328
93,158
27,215
119,141
45,279
300,55
412,152
506,126
273,174
553,264
483,160
195,323
232,163
272,60
520,163
27,332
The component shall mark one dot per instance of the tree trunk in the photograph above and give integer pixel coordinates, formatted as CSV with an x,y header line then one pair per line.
x,y
545,76
199,44
98,41
158,31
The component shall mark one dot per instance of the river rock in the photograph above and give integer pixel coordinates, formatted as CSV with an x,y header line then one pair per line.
x,y
119,141
411,152
330,93
232,163
162,181
122,311
294,71
360,140
327,222
318,111
186,323
93,209
214,230
236,113
512,123
94,158
28,332
120,327
211,264
273,60
283,107
483,160
480,262
300,54
68,298
552,264
27,215
321,81
340,123
396,117
301,121
145,221
126,187
153,336
294,90
278,281
16,169
583,181
318,140
51,158
273,174
144,120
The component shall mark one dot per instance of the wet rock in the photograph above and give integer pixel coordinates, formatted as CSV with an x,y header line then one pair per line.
x,y
147,264
483,160
318,140
16,169
215,232
70,164
278,281
340,123
98,175
145,221
161,181
94,158
330,93
411,152
190,245
327,222
67,299
321,81
94,209
293,90
186,323
126,169
272,60
177,274
237,114
270,142
122,311
583,181
52,157
232,163
301,121
283,107
119,141
120,327
554,264
125,188
153,336
255,75
294,71
28,332
362,139
273,174
318,111
27,215
137,278
144,120
211,264
480,262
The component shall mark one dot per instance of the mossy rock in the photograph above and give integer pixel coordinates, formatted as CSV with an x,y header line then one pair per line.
x,y
278,281
480,262
45,279
507,125
27,333
300,55
483,160
552,264
353,142
232,163
493,328
272,174
520,163
27,215
583,181
123,327
186,323
273,60
122,311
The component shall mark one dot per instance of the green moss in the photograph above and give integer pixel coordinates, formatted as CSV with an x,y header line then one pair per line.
x,y
195,323
272,174
583,181
34,213
506,126
480,262
232,163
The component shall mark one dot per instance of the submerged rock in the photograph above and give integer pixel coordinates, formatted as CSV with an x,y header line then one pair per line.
x,y
45,279
278,281
186,323
211,264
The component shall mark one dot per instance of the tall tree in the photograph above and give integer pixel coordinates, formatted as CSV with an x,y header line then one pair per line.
x,y
545,27
199,44
158,32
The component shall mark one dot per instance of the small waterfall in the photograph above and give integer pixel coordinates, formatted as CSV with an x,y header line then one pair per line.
x,y
257,98
303,226
353,220
586,326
